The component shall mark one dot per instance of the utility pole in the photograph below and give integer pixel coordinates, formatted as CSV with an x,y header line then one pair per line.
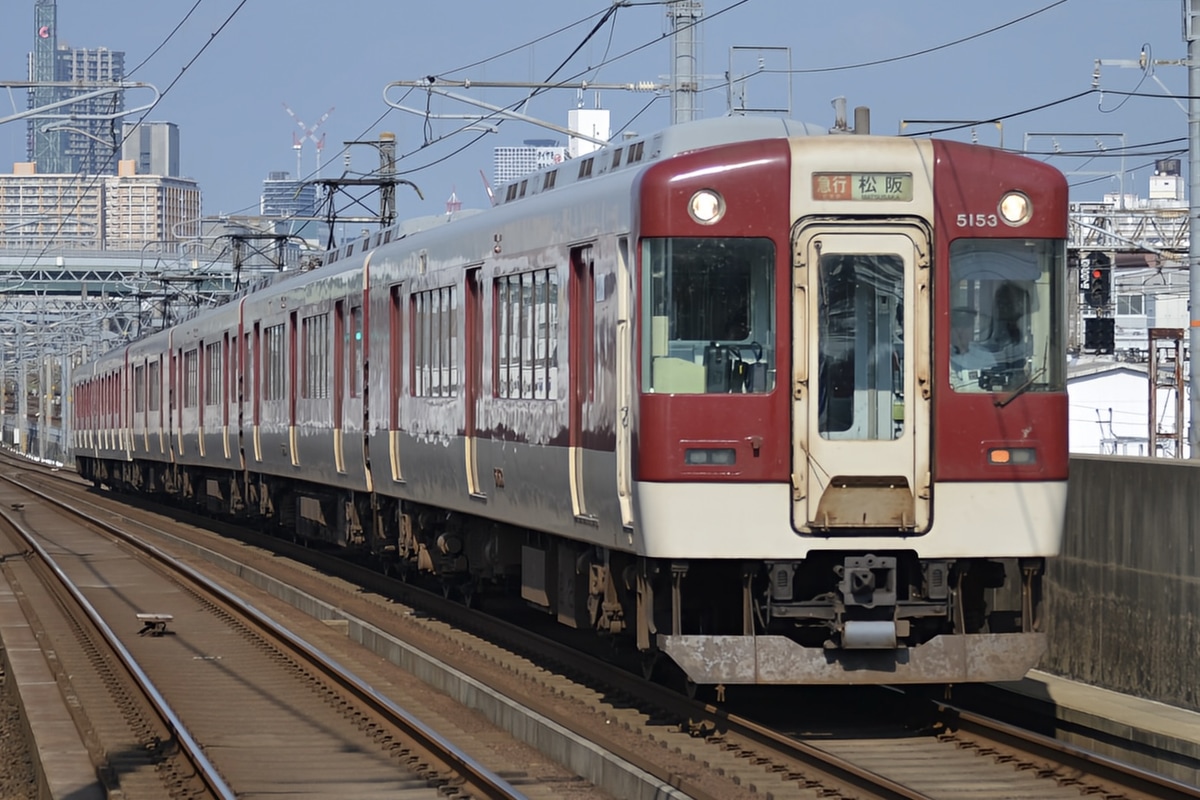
x,y
384,179
685,19
1190,33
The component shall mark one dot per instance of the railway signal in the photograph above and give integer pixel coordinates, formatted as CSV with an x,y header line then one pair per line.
x,y
1100,282
1099,335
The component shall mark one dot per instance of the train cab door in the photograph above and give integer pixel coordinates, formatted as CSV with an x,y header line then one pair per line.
x,y
861,399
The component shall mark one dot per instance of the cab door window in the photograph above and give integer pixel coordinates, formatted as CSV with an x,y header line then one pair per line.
x,y
860,340
709,316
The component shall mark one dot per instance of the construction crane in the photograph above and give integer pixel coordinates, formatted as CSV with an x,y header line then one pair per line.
x,y
310,134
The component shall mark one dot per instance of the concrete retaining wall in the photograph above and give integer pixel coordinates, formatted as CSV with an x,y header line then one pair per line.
x,y
1123,601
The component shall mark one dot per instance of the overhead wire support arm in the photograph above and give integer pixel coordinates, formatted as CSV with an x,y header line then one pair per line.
x,y
106,88
440,87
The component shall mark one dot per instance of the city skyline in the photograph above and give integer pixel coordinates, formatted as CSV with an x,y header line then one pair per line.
x,y
234,128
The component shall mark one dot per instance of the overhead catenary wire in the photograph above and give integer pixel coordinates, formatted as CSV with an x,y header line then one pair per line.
x,y
608,15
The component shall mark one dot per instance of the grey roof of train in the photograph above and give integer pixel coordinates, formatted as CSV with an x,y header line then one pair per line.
x,y
668,142
724,130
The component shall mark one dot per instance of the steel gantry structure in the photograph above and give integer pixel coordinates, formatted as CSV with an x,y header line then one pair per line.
x,y
60,307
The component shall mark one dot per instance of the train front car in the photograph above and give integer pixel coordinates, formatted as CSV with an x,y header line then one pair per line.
x,y
852,421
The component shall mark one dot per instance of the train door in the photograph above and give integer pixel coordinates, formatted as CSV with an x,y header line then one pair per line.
x,y
243,389
292,360
340,378
256,391
624,383
176,399
156,401
397,334
473,360
229,364
861,352
196,385
582,353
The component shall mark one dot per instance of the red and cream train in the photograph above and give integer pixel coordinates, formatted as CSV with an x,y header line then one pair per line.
x,y
699,389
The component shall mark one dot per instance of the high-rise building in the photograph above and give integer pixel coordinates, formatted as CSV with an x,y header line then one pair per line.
x,y
153,146
284,196
510,163
126,211
82,137
294,204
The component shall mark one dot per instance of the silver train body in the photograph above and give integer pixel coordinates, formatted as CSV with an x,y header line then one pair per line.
x,y
489,397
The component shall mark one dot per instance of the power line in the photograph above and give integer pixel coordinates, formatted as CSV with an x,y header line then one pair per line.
x,y
927,50
987,120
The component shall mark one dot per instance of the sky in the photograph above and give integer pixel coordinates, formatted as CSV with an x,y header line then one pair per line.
x,y
227,71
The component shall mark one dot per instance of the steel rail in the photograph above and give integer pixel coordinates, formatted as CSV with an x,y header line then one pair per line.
x,y
482,782
194,751
1100,766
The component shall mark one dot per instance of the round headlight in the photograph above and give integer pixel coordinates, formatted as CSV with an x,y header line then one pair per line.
x,y
1015,208
706,207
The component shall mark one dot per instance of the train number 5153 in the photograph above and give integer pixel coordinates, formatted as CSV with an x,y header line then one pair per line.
x,y
977,220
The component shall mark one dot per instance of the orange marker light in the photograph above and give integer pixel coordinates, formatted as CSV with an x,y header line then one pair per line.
x,y
1012,455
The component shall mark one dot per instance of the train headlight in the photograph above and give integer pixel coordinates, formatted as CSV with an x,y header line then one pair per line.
x,y
1020,456
1015,208
706,206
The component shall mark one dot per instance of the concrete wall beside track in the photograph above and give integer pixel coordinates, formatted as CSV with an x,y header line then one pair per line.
x,y
1123,601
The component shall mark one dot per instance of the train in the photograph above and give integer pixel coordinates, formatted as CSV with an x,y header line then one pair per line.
x,y
702,390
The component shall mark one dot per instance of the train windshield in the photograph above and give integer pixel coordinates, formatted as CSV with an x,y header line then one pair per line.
x,y
708,316
1006,317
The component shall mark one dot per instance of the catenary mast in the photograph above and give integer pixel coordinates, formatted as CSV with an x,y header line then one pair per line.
x,y
684,17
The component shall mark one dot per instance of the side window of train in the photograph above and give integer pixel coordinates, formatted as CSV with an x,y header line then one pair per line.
x,y
139,388
435,342
154,370
526,335
1006,325
273,363
315,363
212,377
709,316
191,378
860,341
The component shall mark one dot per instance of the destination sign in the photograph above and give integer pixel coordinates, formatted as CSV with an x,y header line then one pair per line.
x,y
862,186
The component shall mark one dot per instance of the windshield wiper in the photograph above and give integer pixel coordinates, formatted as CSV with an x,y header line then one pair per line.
x,y
1001,402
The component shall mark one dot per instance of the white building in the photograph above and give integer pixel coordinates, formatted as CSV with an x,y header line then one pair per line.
x,y
1109,410
593,122
511,163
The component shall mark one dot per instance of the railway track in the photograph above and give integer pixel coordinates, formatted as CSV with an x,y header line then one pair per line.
x,y
213,699
699,750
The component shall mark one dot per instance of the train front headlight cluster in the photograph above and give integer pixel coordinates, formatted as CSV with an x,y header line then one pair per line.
x,y
710,456
706,206
1015,208
1018,456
